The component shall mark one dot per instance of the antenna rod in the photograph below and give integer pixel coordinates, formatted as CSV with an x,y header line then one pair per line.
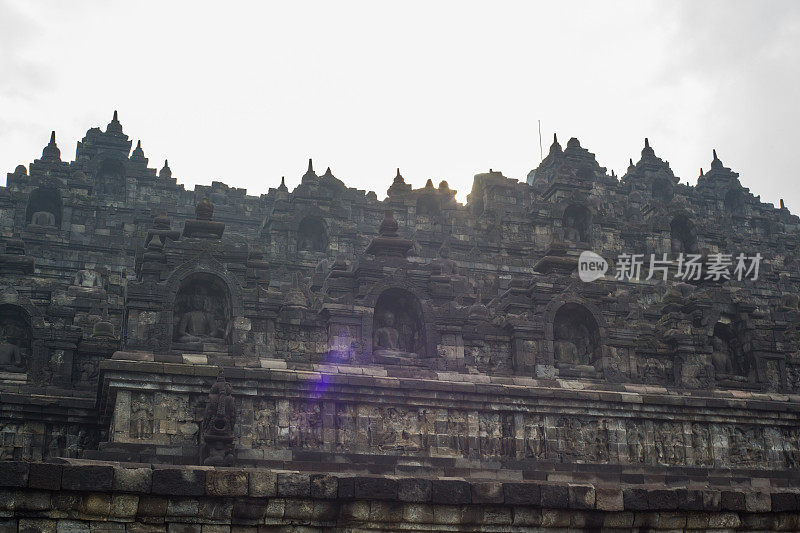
x,y
541,154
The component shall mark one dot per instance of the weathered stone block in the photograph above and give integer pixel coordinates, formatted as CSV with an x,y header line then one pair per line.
x,y
555,496
375,488
152,506
13,474
609,499
758,502
97,504
179,482
450,492
226,483
732,501
294,485
487,492
138,480
635,499
87,478
45,476
785,501
522,494
324,486
581,497
262,483
414,490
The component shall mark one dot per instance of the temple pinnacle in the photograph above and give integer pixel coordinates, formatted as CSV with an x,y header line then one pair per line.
x,y
53,137
310,165
714,151
555,138
646,143
115,116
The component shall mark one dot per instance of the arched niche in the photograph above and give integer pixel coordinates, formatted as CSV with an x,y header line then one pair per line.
x,y
683,237
398,325
662,190
577,223
428,205
202,310
15,338
734,201
727,355
312,235
44,207
576,336
111,177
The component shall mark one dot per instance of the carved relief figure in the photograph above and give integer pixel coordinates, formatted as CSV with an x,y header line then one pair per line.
x,y
201,311
89,279
398,323
701,445
637,439
219,419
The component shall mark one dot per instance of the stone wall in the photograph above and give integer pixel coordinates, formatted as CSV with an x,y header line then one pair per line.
x,y
99,496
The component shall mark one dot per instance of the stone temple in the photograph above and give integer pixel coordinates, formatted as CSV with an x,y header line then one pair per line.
x,y
321,360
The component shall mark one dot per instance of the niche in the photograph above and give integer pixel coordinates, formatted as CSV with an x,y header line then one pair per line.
x,y
576,336
202,311
734,202
727,354
311,235
44,207
15,338
576,222
397,323
683,238
111,178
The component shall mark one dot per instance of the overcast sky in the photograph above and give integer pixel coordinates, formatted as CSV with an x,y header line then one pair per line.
x,y
246,93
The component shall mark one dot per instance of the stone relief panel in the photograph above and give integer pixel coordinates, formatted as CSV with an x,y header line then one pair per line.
x,y
535,440
580,440
669,445
745,446
163,418
489,357
702,446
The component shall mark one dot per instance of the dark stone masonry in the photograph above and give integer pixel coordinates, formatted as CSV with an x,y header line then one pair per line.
x,y
208,361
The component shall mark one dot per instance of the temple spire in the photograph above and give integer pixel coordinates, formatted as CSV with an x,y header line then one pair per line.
x,y
51,151
114,126
646,143
310,165
282,186
165,172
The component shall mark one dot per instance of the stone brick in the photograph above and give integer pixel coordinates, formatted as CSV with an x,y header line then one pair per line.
x,y
87,478
609,499
635,499
785,501
262,483
152,506
294,485
45,476
659,499
13,474
758,502
226,483
414,490
522,494
732,501
324,486
179,482
450,492
487,492
555,496
375,488
581,497
137,480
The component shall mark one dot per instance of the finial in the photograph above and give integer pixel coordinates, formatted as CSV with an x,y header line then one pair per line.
x,y
51,151
283,181
429,184
646,143
398,173
782,206
328,172
555,138
613,175
714,151
310,165
701,172
115,116
630,161
53,137
139,144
